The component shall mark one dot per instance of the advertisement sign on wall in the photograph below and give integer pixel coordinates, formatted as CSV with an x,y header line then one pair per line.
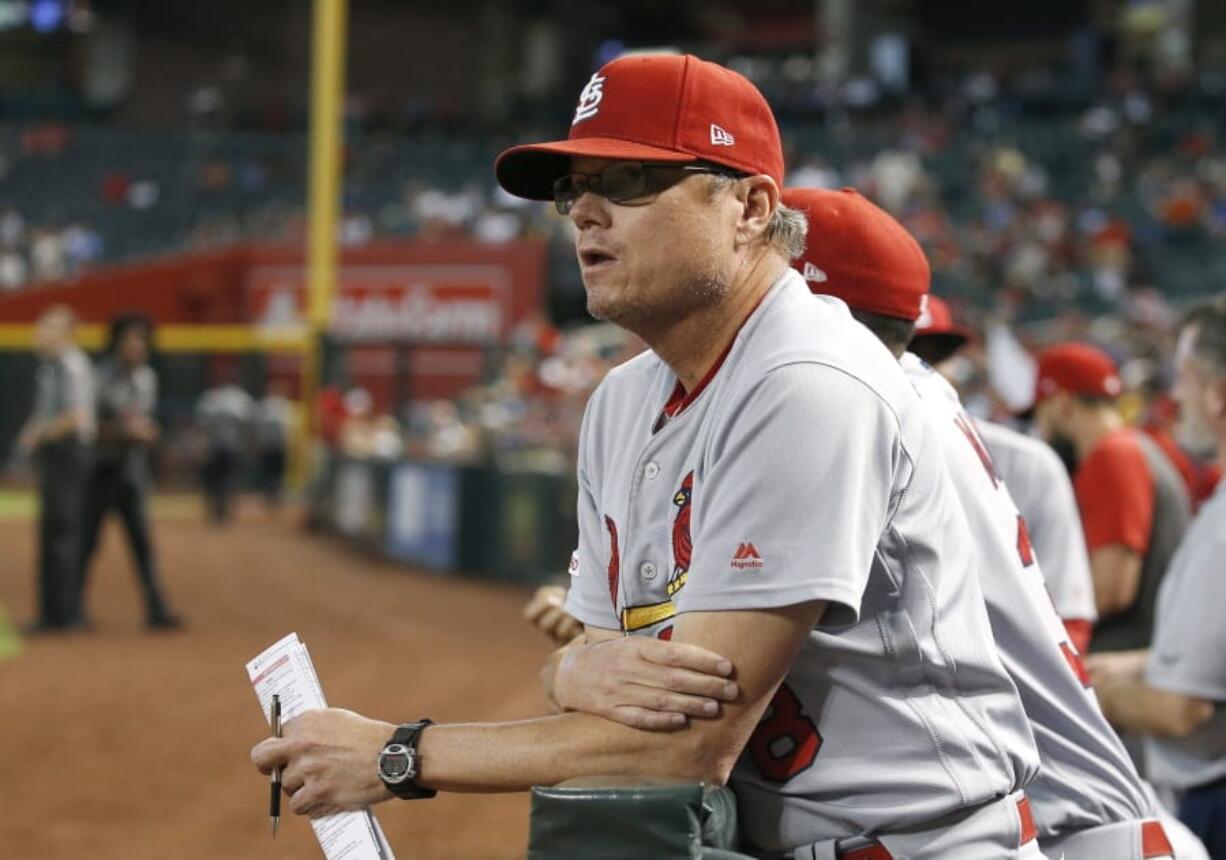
x,y
422,516
407,303
354,504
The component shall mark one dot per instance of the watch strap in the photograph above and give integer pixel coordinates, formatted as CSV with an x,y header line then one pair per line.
x,y
408,735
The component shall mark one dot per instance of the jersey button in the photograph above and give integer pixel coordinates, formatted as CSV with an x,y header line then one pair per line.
x,y
652,469
647,570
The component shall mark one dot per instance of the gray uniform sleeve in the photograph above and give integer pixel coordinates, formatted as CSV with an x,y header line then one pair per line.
x,y
590,599
796,496
1060,542
79,390
1188,654
148,392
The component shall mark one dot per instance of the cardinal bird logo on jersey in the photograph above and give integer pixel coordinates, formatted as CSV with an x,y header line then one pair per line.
x,y
614,561
682,547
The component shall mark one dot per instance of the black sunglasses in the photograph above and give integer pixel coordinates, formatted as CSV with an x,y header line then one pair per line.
x,y
623,181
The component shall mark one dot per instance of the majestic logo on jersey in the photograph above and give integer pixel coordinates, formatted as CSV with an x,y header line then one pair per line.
x,y
683,548
719,137
747,555
589,99
614,560
981,450
573,570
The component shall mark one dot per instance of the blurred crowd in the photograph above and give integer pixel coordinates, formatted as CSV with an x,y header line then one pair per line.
x,y
525,415
1092,219
1035,205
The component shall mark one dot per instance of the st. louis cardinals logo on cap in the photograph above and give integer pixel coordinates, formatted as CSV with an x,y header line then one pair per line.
x,y
589,99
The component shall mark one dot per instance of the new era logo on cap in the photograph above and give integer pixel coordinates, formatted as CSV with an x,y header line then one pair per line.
x,y
814,275
719,137
589,99
747,556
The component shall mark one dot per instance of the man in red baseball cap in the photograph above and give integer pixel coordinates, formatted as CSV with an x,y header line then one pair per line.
x,y
655,110
1134,506
756,485
1088,800
937,334
647,127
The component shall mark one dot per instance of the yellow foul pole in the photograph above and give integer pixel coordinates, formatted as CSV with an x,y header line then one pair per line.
x,y
327,92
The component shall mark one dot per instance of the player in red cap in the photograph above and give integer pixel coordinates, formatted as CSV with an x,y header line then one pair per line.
x,y
1172,692
763,483
937,334
1037,479
1134,506
1088,799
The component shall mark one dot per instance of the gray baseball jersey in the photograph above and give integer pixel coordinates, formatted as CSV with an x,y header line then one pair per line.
x,y
122,393
1043,491
225,412
1086,779
64,383
806,470
1188,654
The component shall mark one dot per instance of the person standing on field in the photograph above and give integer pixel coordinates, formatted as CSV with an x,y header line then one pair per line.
x,y
274,419
121,477
57,436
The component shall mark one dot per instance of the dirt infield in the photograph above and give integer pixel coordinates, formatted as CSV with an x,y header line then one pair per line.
x,y
122,744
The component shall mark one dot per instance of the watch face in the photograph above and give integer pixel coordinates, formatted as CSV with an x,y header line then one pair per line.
x,y
394,763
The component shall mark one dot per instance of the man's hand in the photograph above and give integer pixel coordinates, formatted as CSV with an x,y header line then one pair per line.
x,y
1109,668
643,683
545,612
138,428
328,760
29,439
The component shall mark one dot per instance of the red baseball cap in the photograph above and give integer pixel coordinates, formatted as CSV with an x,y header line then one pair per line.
x,y
937,318
937,334
1077,368
859,253
656,107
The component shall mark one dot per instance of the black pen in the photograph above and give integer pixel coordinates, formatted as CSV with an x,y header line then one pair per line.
x,y
274,796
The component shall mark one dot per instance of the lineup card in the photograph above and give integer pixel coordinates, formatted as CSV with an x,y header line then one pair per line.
x,y
286,670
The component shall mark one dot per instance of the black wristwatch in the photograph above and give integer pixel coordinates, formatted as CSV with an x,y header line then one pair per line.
x,y
400,765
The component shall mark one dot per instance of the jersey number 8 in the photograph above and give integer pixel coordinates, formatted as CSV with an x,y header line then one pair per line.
x,y
786,741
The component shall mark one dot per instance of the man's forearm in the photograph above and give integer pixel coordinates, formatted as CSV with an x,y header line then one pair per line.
x,y
549,674
1133,705
62,425
329,755
489,757
1116,574
549,750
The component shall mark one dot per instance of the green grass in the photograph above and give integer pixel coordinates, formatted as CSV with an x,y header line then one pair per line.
x,y
10,639
17,505
22,506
